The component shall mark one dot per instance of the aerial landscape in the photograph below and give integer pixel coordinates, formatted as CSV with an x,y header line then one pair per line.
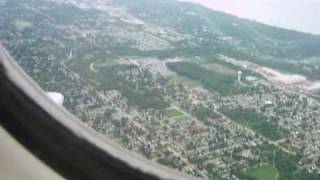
x,y
206,93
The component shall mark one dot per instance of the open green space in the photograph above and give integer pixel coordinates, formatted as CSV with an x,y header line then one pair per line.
x,y
186,81
203,113
173,112
265,172
21,24
86,57
289,170
255,121
181,118
107,77
222,83
279,166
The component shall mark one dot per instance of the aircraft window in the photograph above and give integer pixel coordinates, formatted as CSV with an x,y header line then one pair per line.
x,y
213,89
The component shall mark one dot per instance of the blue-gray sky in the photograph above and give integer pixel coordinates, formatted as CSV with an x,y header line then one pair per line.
x,y
301,15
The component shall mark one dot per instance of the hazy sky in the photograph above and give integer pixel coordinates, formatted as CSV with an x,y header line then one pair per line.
x,y
303,15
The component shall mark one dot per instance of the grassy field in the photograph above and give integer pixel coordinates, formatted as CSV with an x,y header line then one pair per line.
x,y
84,59
212,80
186,81
266,172
220,69
21,25
173,112
181,118
176,115
101,68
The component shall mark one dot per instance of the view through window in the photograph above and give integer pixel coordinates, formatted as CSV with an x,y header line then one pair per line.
x,y
198,90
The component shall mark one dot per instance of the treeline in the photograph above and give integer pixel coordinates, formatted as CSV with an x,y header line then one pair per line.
x,y
224,84
255,121
289,170
285,164
203,113
145,99
142,97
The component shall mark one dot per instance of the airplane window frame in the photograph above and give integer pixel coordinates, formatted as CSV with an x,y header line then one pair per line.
x,y
60,140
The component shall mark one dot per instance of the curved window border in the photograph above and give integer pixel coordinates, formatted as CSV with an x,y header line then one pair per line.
x,y
62,141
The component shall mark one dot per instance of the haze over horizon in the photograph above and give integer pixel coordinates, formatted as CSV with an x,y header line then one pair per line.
x,y
291,14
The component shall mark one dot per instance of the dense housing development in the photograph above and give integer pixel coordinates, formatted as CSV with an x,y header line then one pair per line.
x,y
200,91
